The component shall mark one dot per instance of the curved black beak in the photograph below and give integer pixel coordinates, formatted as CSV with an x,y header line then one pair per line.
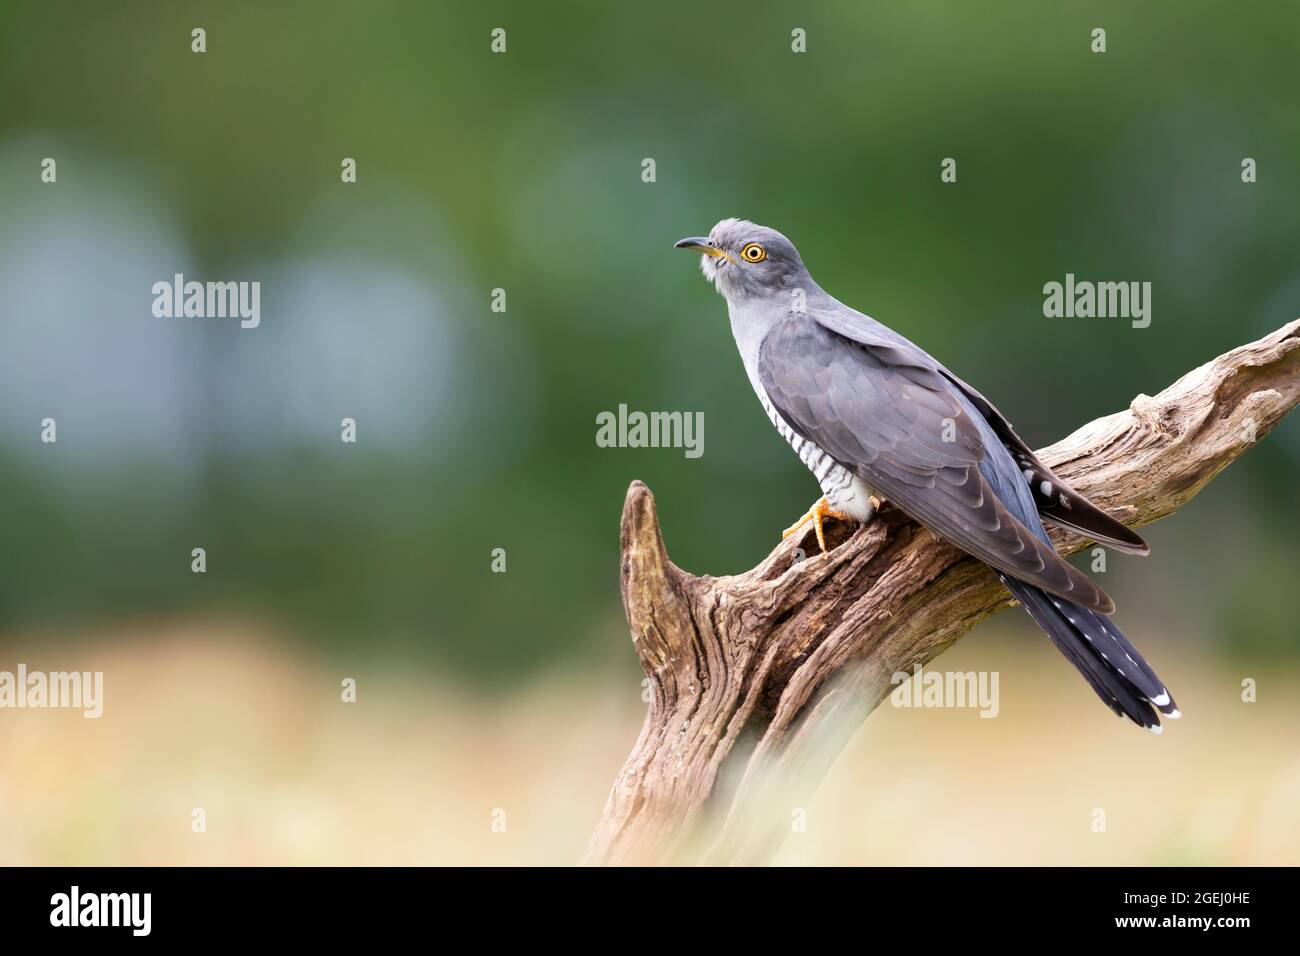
x,y
701,244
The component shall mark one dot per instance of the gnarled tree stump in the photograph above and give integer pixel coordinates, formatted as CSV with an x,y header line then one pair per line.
x,y
759,679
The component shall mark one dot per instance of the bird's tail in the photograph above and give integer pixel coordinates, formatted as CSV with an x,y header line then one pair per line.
x,y
1093,644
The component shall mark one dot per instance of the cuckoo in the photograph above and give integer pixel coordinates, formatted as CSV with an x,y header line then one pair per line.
x,y
874,417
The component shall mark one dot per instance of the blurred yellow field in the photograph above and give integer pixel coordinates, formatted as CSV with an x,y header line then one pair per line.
x,y
223,718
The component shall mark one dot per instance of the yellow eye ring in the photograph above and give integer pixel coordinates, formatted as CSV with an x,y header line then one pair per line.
x,y
753,252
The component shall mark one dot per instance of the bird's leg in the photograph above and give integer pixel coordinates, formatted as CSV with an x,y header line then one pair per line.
x,y
873,505
816,514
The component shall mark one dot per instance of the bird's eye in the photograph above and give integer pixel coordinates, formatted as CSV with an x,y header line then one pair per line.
x,y
753,252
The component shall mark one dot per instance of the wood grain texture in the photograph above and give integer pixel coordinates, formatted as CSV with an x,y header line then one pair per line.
x,y
758,680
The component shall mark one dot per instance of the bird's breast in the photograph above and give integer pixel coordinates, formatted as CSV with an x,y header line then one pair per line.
x,y
830,474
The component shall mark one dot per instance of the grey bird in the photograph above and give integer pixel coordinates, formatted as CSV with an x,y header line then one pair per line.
x,y
871,414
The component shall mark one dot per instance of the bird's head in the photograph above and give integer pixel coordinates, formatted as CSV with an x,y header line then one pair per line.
x,y
745,260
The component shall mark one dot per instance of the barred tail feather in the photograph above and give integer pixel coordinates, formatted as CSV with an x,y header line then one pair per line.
x,y
1102,654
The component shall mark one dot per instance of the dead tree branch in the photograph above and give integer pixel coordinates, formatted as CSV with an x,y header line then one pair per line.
x,y
758,680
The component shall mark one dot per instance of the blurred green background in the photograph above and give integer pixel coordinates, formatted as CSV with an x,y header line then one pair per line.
x,y
522,171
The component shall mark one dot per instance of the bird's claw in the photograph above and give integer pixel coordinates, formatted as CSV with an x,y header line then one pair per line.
x,y
817,514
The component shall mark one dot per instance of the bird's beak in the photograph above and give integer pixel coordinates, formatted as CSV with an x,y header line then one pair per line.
x,y
702,244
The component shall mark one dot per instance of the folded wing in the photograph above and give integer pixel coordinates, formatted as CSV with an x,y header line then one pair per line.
x,y
886,412
1056,501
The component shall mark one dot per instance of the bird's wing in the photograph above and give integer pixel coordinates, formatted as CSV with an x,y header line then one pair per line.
x,y
884,411
1056,501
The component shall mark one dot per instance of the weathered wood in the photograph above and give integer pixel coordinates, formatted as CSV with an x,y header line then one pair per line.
x,y
759,679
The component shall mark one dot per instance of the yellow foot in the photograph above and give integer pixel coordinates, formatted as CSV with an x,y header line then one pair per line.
x,y
817,514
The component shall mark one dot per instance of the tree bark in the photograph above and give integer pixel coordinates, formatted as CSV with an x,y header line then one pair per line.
x,y
758,680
